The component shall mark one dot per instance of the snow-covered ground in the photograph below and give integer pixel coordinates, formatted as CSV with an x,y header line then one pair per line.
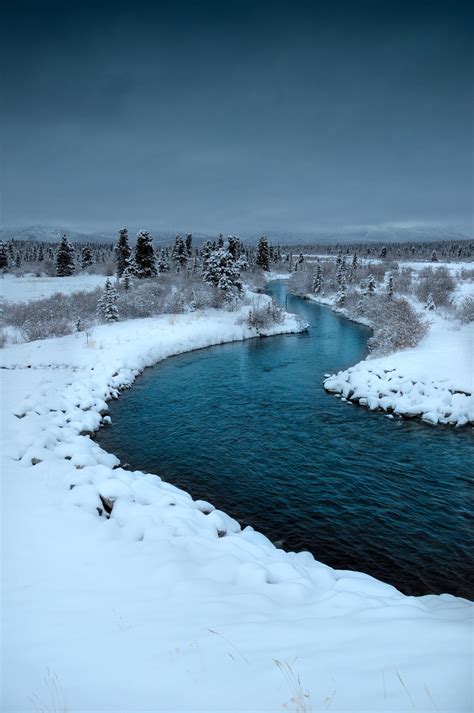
x,y
29,287
434,380
167,605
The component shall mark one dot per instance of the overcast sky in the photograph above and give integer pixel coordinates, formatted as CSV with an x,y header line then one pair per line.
x,y
236,115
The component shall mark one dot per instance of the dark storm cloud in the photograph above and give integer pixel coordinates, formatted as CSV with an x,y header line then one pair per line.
x,y
236,115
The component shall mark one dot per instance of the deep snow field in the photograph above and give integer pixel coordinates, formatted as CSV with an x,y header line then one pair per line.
x,y
167,605
28,287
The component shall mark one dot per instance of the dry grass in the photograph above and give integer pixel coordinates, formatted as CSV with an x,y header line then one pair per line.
x,y
56,702
300,698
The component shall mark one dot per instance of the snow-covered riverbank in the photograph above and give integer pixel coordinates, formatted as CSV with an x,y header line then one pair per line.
x,y
167,605
433,381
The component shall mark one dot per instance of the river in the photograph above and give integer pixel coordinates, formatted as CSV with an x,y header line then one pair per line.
x,y
249,427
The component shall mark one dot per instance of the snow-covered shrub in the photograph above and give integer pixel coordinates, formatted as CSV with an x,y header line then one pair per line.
x,y
34,329
396,326
439,283
403,282
52,316
465,310
264,314
300,282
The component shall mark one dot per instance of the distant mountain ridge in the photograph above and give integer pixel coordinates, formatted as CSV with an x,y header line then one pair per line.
x,y
357,234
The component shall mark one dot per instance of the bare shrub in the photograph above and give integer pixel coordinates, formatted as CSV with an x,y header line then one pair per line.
x,y
264,314
438,283
300,281
396,326
403,280
465,310
52,316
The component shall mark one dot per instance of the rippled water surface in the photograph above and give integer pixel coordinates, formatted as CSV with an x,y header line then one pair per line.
x,y
249,427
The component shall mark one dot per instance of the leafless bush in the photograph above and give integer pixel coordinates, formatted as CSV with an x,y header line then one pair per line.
x,y
255,279
438,283
403,280
300,281
264,314
53,316
396,326
465,310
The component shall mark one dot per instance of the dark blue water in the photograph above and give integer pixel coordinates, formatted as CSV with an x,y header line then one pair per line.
x,y
249,427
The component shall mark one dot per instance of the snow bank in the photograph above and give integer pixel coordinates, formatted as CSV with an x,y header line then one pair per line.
x,y
434,380
29,287
121,593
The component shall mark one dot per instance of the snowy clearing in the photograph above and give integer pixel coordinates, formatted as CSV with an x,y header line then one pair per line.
x,y
167,604
30,287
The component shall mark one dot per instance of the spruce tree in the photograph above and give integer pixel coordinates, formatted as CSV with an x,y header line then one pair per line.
x,y
390,287
317,279
263,254
3,257
64,258
341,294
234,246
162,263
221,272
430,305
205,253
371,285
145,255
122,252
86,257
189,244
180,253
106,307
127,278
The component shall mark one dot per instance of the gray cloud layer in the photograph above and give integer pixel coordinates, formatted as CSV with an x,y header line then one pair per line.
x,y
236,116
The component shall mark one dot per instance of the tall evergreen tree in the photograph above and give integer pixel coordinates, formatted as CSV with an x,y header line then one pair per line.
x,y
64,258
221,272
263,254
189,244
390,287
106,307
162,263
371,285
123,252
317,278
145,255
86,257
341,293
234,246
180,252
3,257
